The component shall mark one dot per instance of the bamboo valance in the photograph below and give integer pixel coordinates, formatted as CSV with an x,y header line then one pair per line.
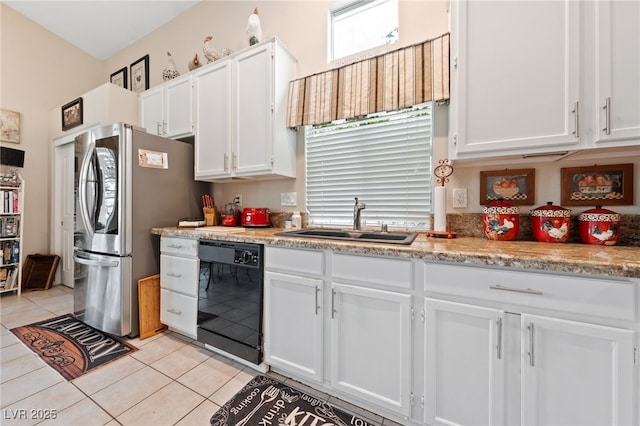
x,y
388,82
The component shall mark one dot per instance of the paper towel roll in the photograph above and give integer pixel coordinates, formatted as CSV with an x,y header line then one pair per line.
x,y
440,209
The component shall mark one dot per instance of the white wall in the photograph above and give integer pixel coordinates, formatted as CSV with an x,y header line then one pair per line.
x,y
39,71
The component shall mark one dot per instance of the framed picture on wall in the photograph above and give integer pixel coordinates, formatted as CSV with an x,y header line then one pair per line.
x,y
140,74
72,114
516,186
9,126
597,185
120,78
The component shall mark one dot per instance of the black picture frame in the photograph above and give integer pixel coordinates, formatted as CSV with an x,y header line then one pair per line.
x,y
139,71
120,78
72,114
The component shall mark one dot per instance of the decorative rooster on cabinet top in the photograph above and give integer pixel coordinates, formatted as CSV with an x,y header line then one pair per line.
x,y
209,51
171,71
253,28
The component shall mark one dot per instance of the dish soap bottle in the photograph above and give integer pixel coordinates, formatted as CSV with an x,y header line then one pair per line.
x,y
296,220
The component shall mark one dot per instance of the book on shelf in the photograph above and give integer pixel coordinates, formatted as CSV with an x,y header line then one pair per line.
x,y
10,252
10,201
10,280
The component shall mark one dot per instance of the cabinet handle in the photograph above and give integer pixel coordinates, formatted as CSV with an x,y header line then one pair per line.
x,y
226,162
530,328
317,307
235,161
174,246
158,129
499,345
164,127
171,274
173,311
576,112
516,290
607,116
333,297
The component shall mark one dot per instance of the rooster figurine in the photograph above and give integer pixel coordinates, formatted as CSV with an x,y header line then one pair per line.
x,y
209,51
171,71
253,28
194,63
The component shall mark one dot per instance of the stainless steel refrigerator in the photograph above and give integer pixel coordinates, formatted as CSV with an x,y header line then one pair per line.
x,y
126,182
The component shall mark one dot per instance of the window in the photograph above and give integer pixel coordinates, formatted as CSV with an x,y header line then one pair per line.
x,y
360,25
384,160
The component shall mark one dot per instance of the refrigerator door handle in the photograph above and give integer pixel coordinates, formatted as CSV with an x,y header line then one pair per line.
x,y
107,263
82,190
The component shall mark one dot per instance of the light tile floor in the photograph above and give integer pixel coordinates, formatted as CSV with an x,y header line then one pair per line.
x,y
169,380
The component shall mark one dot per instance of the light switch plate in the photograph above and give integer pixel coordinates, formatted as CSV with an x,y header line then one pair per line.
x,y
289,199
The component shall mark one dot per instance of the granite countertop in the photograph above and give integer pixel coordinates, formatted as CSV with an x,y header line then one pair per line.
x,y
616,261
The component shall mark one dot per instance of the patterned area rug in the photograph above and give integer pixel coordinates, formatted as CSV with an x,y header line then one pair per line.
x,y
265,401
70,346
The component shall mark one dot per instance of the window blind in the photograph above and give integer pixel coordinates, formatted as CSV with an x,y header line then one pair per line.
x,y
384,160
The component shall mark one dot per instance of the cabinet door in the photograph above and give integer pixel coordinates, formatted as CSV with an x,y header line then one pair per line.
x,y
151,110
371,345
617,100
178,107
515,76
213,120
253,86
575,373
465,364
293,324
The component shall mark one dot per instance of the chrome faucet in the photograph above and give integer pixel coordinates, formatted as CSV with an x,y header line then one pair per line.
x,y
356,214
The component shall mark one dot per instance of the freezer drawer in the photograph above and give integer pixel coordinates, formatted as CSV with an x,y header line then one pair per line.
x,y
102,294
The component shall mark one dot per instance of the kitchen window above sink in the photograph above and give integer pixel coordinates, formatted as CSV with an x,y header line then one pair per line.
x,y
384,159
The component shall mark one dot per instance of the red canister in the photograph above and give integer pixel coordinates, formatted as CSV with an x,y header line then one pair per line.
x,y
599,226
551,224
500,220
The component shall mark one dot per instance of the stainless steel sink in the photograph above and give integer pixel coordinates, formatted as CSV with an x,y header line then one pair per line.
x,y
344,235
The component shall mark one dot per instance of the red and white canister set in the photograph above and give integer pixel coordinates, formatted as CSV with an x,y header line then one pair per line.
x,y
550,223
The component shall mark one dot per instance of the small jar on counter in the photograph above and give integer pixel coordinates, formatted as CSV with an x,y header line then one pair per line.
x,y
296,220
500,220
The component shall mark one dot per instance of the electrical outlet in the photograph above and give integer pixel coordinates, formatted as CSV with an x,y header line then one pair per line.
x,y
238,200
289,199
459,198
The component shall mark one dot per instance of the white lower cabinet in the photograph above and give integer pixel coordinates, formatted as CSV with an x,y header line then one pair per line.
x,y
464,364
324,325
576,373
500,365
293,322
371,345
179,273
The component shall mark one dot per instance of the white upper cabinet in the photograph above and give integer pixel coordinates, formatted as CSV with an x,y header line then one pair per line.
x,y
243,133
167,109
540,77
514,77
617,67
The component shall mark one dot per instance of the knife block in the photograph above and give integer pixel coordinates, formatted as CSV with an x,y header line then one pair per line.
x,y
211,217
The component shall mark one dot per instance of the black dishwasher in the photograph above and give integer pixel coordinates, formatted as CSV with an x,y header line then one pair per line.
x,y
230,298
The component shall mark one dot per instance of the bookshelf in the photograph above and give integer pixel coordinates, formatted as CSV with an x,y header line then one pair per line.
x,y
11,210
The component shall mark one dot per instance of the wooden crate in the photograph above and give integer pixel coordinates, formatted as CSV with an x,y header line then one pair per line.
x,y
38,271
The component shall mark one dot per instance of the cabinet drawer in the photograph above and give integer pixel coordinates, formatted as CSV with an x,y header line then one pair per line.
x,y
373,270
294,260
179,311
179,274
180,246
587,295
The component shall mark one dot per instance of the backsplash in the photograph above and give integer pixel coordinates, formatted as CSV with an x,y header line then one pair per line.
x,y
470,225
